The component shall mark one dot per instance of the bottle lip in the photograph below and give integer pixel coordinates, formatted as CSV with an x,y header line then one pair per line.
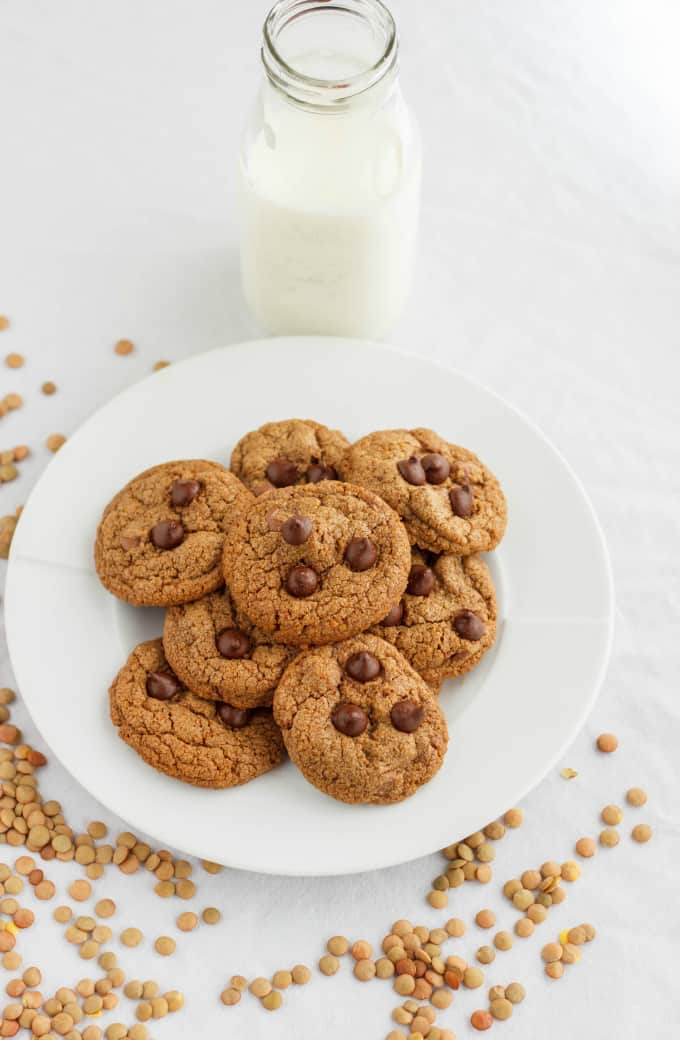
x,y
318,93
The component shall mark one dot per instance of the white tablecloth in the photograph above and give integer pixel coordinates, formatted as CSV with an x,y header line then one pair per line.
x,y
548,269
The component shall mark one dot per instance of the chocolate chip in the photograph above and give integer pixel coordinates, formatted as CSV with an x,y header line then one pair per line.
x,y
363,667
349,719
162,686
360,554
296,530
412,471
129,541
461,500
302,581
420,580
167,534
468,626
436,467
233,644
319,471
183,492
235,718
394,617
406,716
282,472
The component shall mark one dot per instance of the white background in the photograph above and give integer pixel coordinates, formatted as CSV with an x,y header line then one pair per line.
x,y
549,269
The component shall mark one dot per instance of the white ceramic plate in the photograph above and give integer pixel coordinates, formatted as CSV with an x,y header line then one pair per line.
x,y
523,705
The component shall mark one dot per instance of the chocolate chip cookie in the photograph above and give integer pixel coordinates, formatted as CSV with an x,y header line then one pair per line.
x,y
448,500
316,563
187,737
220,654
160,539
359,722
294,451
446,620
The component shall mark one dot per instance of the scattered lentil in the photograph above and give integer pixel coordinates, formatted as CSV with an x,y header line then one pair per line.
x,y
273,1001
187,921
12,360
609,838
586,847
636,796
611,815
570,872
260,987
607,742
165,945
364,970
328,965
642,832
131,937
123,347
55,441
481,1020
501,1009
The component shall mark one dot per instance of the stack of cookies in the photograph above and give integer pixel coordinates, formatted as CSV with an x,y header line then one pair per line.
x,y
317,595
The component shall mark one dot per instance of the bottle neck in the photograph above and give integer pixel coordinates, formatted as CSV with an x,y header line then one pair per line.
x,y
330,55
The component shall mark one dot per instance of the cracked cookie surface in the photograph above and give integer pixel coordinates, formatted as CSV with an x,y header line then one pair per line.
x,y
217,651
184,735
316,563
359,722
448,499
446,620
293,451
160,539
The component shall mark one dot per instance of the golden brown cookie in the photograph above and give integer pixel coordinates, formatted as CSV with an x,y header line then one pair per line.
x,y
220,654
192,739
160,539
446,620
359,722
317,563
448,500
293,451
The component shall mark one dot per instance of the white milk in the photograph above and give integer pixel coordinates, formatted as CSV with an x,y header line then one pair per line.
x,y
330,204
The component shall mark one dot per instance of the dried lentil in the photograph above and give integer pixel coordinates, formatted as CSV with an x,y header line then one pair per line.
x,y
636,796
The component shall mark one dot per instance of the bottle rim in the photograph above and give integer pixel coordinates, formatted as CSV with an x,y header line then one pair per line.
x,y
331,93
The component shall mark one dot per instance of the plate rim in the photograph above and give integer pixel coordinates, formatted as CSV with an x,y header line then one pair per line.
x,y
606,621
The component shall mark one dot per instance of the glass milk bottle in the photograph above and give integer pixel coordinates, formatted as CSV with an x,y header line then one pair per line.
x,y
330,174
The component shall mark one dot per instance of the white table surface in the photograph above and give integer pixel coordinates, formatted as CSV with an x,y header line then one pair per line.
x,y
549,269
